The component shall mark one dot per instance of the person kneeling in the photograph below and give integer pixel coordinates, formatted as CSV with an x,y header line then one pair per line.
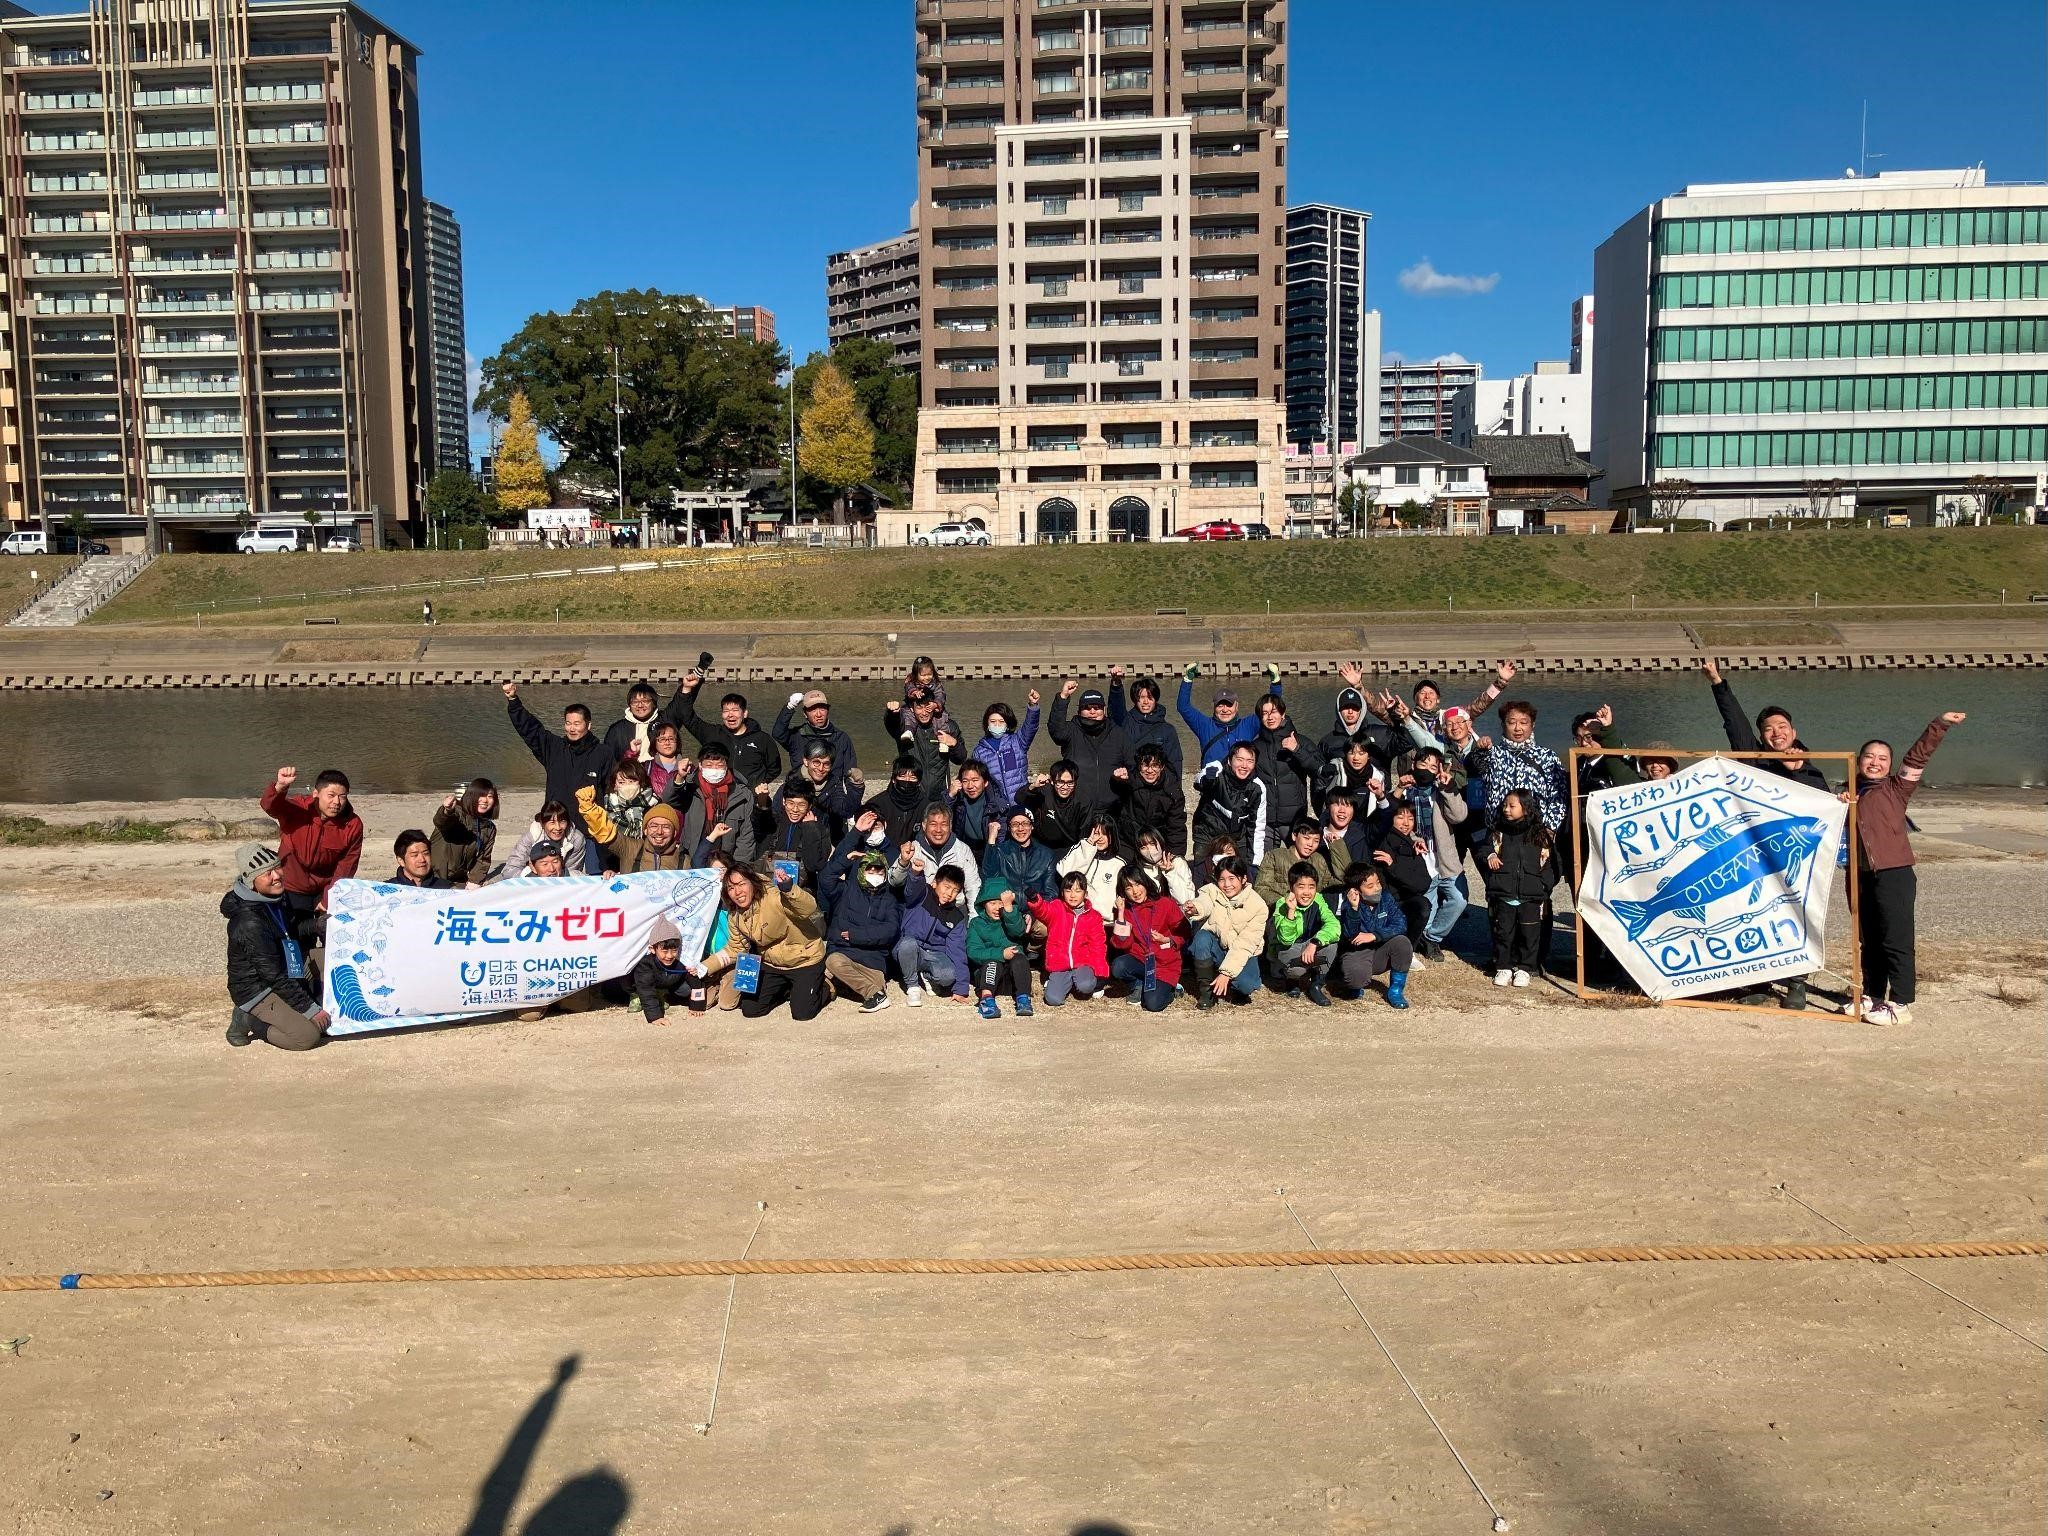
x,y
995,949
661,977
266,965
1149,935
932,944
1076,944
1372,937
1304,935
1225,950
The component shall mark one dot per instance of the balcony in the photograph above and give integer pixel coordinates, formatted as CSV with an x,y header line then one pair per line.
x,y
62,143
176,96
271,261
49,58
206,506
966,214
217,304
1126,39
184,264
1064,320
81,424
211,220
286,90
67,265
1055,370
216,426
957,133
69,224
308,298
288,133
67,183
81,305
292,218
303,381
227,465
1126,82
986,443
63,101
151,346
1148,234
290,176
1223,367
218,386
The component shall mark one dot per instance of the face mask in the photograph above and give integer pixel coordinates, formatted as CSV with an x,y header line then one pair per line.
x,y
712,775
1154,856
998,728
874,880
878,836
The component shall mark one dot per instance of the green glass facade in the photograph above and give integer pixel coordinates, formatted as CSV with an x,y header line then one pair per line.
x,y
1794,450
1854,231
1866,392
1980,282
1876,338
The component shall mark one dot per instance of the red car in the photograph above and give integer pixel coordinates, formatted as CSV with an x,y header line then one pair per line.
x,y
1222,528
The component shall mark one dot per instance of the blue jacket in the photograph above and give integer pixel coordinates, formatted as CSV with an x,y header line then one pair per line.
x,y
1009,757
1027,871
1212,735
939,929
1384,919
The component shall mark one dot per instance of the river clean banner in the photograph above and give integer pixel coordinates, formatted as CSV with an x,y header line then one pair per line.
x,y
399,957
1715,878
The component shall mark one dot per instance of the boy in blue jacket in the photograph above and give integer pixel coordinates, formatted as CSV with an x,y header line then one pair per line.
x,y
931,947
1372,937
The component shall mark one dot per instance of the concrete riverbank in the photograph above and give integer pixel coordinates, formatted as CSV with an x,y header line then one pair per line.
x,y
862,651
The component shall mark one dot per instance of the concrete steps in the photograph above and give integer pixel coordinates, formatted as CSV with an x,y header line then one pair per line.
x,y
88,588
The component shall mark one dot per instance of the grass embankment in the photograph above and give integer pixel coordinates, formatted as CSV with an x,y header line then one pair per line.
x,y
34,832
1782,569
16,585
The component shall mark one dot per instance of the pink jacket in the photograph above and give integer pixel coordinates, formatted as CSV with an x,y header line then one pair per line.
x,y
1075,941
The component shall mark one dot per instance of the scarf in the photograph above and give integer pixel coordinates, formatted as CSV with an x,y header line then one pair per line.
x,y
714,797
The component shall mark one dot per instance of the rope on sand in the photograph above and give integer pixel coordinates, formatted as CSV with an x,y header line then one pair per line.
x,y
666,1269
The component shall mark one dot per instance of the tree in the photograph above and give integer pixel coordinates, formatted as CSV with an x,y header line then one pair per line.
x,y
701,408
837,445
1988,492
1668,498
886,393
1821,496
1411,513
79,525
522,477
458,508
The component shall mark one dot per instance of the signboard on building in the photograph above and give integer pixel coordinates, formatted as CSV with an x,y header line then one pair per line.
x,y
559,519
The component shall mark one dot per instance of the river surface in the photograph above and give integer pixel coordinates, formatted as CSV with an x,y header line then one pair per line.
x,y
169,744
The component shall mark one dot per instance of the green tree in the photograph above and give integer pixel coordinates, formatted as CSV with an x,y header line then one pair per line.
x,y
701,407
79,526
312,517
837,445
1412,514
459,509
522,476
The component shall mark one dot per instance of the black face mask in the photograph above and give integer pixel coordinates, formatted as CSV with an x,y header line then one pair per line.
x,y
905,792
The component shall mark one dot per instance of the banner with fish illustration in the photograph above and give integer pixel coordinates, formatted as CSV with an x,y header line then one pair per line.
x,y
1715,878
399,957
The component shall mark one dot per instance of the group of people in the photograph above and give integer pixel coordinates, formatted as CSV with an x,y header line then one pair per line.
x,y
1320,865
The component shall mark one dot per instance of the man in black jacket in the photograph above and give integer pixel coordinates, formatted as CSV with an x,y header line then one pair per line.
x,y
1356,722
923,733
1289,764
630,734
1152,800
835,796
266,966
1099,751
571,761
796,733
1148,723
751,752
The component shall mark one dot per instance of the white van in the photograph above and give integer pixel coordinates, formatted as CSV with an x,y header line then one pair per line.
x,y
25,541
270,538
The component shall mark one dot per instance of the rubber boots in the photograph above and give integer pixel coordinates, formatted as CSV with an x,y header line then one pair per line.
x,y
1397,989
1205,979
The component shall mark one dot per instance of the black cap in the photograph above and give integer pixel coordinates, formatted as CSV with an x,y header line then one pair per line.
x,y
1351,698
546,848
1094,698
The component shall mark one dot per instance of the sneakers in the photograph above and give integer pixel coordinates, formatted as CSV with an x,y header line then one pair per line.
x,y
1795,995
1901,1012
1520,978
238,1030
913,997
1415,961
1431,950
876,1003
1880,1013
987,1008
1024,1008
1503,978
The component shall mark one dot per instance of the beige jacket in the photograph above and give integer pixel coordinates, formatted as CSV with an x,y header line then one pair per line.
x,y
1239,923
784,928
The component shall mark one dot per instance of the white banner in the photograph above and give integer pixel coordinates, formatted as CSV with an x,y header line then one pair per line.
x,y
398,956
1714,878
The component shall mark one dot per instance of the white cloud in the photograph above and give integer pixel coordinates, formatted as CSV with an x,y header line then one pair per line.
x,y
1425,280
1452,360
1448,359
1393,359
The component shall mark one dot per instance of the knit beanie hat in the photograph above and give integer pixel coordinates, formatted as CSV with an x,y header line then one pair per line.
x,y
663,812
252,859
664,932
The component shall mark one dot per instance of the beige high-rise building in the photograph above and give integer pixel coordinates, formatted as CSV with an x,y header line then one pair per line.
x,y
1102,213
213,279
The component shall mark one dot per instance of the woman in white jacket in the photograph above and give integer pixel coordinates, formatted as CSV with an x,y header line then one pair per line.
x,y
553,824
1094,859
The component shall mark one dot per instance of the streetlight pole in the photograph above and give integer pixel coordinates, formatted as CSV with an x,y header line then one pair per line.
x,y
619,438
792,440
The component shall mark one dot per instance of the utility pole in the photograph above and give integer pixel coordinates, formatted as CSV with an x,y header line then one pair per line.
x,y
792,440
619,438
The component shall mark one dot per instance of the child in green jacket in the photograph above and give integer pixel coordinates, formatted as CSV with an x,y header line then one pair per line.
x,y
996,949
1305,933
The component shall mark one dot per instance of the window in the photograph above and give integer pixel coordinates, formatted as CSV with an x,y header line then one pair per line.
x,y
1456,474
1854,231
1407,474
1905,445
1881,338
1213,476
1855,393
1852,285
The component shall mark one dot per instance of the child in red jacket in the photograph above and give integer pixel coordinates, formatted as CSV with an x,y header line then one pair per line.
x,y
1150,934
1076,944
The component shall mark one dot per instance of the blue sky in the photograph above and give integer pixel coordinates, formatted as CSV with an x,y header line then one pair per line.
x,y
725,148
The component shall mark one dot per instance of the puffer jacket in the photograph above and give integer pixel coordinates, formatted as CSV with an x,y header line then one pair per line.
x,y
1239,923
633,853
1405,872
785,928
864,922
1101,870
1165,919
1290,774
943,929
927,861
256,950
1027,870
1075,941
1161,808
1527,871
573,845
1008,757
463,842
1383,919
1096,751
1226,806
1147,730
1331,863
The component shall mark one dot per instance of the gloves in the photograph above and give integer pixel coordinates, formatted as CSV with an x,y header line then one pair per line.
x,y
1194,671
1272,672
795,699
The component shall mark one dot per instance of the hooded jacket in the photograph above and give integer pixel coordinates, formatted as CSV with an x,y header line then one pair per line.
x,y
1059,823
795,732
1153,729
1289,772
1227,806
256,932
988,937
1312,924
1161,808
750,750
837,801
316,851
1008,756
1380,739
567,765
1027,870
463,841
655,984
626,737
864,922
1164,918
1096,751
1074,941
937,929
810,843
901,814
573,844
1408,873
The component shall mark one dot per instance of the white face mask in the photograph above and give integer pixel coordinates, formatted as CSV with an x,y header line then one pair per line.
x,y
878,836
712,775
1155,856
998,728
874,880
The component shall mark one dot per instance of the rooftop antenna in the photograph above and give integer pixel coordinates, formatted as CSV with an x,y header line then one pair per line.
x,y
1863,155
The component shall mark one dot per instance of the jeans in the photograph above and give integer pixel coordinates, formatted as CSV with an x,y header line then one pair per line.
x,y
1059,985
1207,949
1152,992
934,965
1447,904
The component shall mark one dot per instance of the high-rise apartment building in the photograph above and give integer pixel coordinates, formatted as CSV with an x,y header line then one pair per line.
x,y
872,292
1101,213
1822,346
448,339
1420,399
1332,385
749,322
213,268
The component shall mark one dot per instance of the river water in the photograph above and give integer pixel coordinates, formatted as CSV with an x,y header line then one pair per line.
x,y
172,744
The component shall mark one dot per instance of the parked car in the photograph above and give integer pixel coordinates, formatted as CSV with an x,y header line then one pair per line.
x,y
25,541
1257,531
1222,528
340,544
956,533
269,538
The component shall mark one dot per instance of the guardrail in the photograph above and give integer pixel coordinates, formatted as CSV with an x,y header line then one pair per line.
x,y
620,568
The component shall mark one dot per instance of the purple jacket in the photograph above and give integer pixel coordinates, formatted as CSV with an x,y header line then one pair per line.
x,y
1008,758
926,928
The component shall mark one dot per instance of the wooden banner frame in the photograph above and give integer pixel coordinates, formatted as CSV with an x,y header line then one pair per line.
x,y
1854,1011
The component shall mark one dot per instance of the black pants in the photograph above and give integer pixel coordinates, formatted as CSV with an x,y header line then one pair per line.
x,y
1885,925
803,987
1517,932
993,978
1414,907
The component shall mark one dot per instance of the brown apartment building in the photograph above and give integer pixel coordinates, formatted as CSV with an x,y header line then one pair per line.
x,y
213,276
1102,214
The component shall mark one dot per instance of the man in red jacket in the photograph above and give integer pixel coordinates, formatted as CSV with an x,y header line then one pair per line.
x,y
320,838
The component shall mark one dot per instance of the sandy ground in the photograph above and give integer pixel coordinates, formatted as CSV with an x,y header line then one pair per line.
x,y
1669,1399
